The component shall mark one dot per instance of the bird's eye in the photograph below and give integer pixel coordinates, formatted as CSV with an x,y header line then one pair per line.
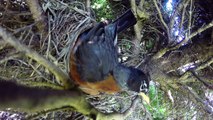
x,y
143,87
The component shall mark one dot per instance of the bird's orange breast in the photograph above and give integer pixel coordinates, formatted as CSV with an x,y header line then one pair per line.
x,y
107,85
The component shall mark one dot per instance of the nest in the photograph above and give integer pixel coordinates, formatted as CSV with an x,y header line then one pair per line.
x,y
65,23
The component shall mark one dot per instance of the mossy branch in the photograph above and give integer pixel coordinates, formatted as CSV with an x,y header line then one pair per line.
x,y
28,99
61,77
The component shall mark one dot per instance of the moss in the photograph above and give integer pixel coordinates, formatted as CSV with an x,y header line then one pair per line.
x,y
102,9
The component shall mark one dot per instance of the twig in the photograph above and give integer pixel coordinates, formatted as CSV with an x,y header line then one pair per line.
x,y
5,59
205,64
27,27
37,71
193,35
183,14
137,29
197,98
161,17
198,78
3,44
129,113
200,67
190,18
33,116
175,14
74,8
61,76
49,39
38,16
163,51
88,5
41,84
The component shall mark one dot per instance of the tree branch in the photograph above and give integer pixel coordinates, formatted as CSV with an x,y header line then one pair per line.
x,y
205,83
161,18
163,51
137,30
175,14
188,73
131,113
29,99
61,76
37,13
88,5
193,35
40,101
205,106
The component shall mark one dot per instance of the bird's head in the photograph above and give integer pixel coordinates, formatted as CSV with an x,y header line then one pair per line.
x,y
137,80
131,79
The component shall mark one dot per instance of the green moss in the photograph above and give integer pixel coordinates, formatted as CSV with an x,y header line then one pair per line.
x,y
103,10
156,107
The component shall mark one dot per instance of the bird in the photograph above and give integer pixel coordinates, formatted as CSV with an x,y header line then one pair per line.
x,y
94,64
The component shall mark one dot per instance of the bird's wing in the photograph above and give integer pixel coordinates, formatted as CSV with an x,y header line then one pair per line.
x,y
97,55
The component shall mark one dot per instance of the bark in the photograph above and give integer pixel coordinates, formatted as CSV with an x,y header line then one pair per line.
x,y
40,101
38,15
88,5
137,30
29,100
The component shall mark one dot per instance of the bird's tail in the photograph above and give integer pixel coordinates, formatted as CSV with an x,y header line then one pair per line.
x,y
125,21
111,33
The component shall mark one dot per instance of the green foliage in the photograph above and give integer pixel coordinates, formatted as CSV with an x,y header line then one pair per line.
x,y
102,9
149,44
157,108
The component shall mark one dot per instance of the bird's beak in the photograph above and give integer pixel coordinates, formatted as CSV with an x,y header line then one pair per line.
x,y
144,97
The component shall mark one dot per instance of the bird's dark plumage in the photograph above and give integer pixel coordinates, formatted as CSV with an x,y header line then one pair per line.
x,y
94,62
